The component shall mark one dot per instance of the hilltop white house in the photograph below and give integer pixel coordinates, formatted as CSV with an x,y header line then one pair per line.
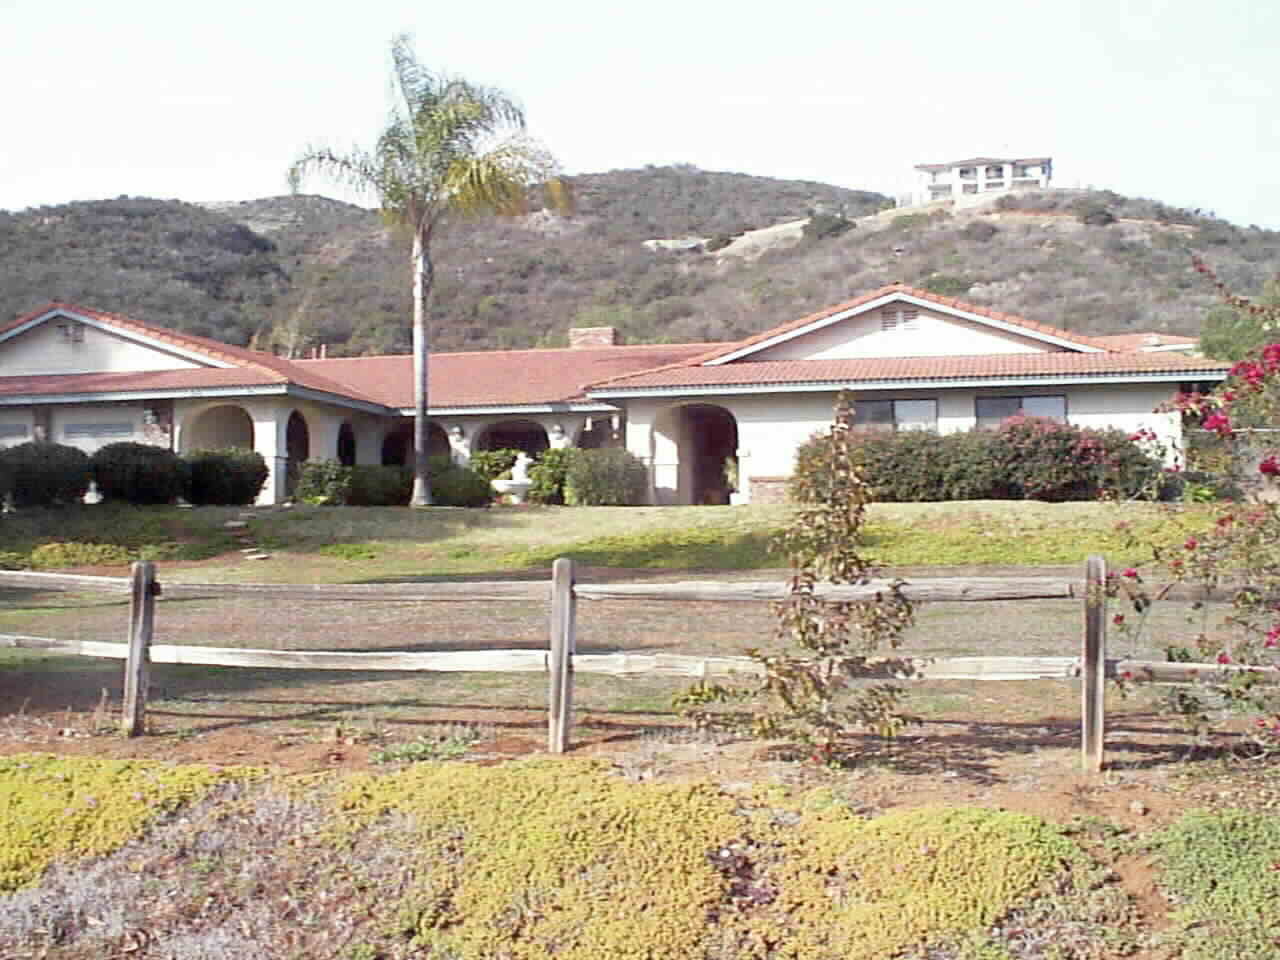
x,y
968,181
911,360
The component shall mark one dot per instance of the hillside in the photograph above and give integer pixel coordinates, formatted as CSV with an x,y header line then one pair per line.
x,y
290,273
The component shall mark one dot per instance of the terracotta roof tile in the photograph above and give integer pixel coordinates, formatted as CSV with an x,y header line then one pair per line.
x,y
871,370
131,381
1130,342
284,371
500,377
1032,326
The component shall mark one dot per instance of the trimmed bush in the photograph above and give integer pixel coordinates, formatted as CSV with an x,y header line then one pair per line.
x,y
491,464
138,473
460,487
547,476
43,474
323,483
1027,458
225,477
373,486
611,477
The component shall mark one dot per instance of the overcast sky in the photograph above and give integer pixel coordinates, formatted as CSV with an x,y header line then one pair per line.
x,y
1171,99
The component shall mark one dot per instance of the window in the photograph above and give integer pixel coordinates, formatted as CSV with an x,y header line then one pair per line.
x,y
891,415
993,411
968,173
97,430
12,431
994,171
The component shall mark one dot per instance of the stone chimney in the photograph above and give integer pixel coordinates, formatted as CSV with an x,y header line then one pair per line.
x,y
584,337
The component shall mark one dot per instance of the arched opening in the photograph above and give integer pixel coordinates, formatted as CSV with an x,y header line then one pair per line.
x,y
598,434
346,445
514,435
397,446
692,446
224,427
297,447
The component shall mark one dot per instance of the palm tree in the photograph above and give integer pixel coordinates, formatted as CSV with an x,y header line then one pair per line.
x,y
449,147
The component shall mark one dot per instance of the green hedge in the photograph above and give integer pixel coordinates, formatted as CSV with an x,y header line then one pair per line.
x,y
139,473
43,474
1026,458
329,482
610,477
225,477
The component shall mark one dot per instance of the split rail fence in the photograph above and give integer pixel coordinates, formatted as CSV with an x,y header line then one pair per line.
x,y
562,662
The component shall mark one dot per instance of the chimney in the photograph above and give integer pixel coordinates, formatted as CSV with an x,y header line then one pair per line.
x,y
581,338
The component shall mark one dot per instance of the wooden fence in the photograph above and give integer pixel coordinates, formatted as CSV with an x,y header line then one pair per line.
x,y
561,661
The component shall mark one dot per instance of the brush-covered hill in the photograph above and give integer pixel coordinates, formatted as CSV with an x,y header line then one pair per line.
x,y
663,253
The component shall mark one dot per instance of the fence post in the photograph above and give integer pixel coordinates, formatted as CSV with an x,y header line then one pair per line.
x,y
564,606
1093,664
142,615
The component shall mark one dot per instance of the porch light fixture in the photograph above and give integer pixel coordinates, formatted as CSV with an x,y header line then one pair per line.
x,y
457,432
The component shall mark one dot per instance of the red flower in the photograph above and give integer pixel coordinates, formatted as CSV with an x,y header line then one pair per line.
x,y
1118,619
1224,657
1131,573
1218,423
1191,543
1269,467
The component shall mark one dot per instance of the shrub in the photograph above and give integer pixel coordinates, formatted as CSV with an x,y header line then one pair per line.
x,y
491,464
380,486
611,477
138,473
324,482
455,486
1047,460
44,474
947,285
1027,458
225,477
547,476
1093,211
823,225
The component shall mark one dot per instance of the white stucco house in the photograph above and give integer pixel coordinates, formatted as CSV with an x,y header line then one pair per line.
x,y
911,360
968,181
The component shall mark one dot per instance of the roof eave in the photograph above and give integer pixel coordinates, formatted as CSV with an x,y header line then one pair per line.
x,y
912,383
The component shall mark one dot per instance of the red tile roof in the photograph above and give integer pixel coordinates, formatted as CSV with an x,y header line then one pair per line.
x,y
252,363
872,370
947,303
1140,341
501,377
64,384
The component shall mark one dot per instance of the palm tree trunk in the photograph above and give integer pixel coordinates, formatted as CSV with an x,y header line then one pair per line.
x,y
422,277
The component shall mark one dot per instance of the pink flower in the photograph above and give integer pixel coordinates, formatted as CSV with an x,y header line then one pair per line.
x,y
1269,467
1191,543
1118,619
1224,657
1218,423
1131,573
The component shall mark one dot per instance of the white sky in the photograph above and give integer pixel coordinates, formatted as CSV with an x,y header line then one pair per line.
x,y
1173,99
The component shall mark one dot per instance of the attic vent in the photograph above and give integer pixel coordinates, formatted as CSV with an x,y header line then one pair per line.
x,y
71,332
899,319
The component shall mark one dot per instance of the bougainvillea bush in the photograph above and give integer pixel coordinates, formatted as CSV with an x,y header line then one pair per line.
x,y
1229,563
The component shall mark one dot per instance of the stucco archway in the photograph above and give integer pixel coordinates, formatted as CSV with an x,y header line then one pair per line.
x,y
346,444
523,435
224,427
297,445
692,444
398,444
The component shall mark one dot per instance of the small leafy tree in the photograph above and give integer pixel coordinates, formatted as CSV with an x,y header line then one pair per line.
x,y
806,694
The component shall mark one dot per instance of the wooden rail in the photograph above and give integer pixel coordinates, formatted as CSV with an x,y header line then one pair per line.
x,y
561,661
